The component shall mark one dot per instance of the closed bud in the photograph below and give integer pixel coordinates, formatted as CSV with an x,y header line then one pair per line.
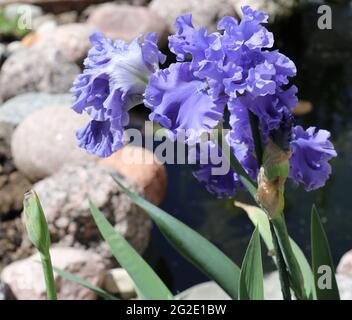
x,y
271,179
35,222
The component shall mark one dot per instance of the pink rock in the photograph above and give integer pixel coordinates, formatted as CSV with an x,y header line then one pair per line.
x,y
345,264
141,167
127,22
26,281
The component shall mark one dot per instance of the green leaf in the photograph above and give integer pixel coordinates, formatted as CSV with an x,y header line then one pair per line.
x,y
323,267
73,278
259,217
148,284
251,276
198,250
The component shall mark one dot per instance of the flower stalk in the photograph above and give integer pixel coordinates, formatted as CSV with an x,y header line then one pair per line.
x,y
38,233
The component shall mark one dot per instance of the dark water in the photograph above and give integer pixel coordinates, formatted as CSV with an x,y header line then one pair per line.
x,y
324,62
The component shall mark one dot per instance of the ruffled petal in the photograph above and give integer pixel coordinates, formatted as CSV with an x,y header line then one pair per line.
x,y
180,101
311,151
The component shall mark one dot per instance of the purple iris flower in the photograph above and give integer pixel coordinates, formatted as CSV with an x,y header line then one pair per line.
x,y
311,151
233,67
114,80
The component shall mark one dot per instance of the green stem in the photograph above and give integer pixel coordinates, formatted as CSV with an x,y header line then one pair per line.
x,y
281,266
293,267
49,276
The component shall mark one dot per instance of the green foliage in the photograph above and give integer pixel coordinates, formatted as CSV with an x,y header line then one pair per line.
x,y
149,285
259,217
251,277
73,278
38,233
202,253
322,264
10,28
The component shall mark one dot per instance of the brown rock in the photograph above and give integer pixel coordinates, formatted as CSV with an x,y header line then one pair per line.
x,y
26,281
13,184
127,22
45,141
11,232
141,167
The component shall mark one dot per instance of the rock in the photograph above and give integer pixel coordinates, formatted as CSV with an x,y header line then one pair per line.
x,y
13,184
64,200
11,232
26,281
344,283
45,141
13,47
345,265
16,109
46,27
272,288
206,13
5,292
3,53
117,281
204,291
56,6
127,22
72,40
36,69
141,167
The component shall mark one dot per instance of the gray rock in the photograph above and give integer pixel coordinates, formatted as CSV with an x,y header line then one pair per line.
x,y
272,289
64,200
26,281
16,109
204,291
71,40
127,22
45,141
36,69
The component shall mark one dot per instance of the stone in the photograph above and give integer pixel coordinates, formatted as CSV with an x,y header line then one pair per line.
x,y
205,13
204,291
5,292
345,264
36,69
127,22
272,288
45,141
26,281
118,281
15,110
11,232
13,47
13,184
64,200
56,6
141,167
72,40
